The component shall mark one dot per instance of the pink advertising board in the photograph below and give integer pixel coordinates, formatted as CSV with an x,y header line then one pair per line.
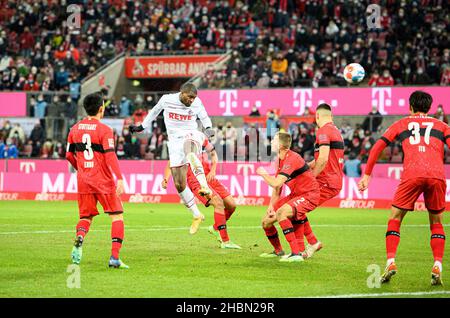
x,y
143,179
345,101
13,104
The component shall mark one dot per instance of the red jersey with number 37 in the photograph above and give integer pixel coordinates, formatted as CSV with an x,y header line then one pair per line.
x,y
300,178
422,139
332,174
89,139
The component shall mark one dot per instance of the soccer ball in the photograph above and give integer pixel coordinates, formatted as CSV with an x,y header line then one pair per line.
x,y
354,73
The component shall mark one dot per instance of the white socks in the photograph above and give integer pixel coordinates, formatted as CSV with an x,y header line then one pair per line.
x,y
438,264
189,201
197,169
390,261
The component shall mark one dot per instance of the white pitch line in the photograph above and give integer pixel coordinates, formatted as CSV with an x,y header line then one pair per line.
x,y
162,228
421,293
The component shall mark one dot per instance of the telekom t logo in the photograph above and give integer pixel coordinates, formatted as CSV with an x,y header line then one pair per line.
x,y
248,169
228,100
302,99
28,167
382,100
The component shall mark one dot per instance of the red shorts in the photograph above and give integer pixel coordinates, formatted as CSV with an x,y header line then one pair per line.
x,y
217,188
409,190
327,193
87,204
299,204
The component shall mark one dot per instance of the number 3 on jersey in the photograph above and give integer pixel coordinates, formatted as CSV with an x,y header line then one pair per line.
x,y
88,153
414,127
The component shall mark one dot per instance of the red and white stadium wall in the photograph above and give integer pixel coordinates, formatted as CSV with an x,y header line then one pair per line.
x,y
52,180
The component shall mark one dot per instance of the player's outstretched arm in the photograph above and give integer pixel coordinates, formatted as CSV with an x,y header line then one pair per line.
x,y
151,116
375,152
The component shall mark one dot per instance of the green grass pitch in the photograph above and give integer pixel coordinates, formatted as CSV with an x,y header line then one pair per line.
x,y
165,261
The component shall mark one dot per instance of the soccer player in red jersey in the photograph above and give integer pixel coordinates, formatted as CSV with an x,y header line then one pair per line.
x,y
90,150
293,171
327,167
221,199
422,139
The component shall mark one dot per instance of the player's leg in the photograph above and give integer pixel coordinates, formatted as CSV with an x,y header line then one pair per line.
x,y
299,230
117,236
220,225
434,196
230,206
192,149
392,242
186,195
284,214
112,205
314,245
87,206
437,243
405,197
268,225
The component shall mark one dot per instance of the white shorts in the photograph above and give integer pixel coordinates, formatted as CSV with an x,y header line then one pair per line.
x,y
176,143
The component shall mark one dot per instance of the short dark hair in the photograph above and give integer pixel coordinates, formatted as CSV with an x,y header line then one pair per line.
x,y
188,88
92,103
324,106
420,101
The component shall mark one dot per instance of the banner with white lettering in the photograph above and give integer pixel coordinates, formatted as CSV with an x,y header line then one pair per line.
x,y
52,180
168,66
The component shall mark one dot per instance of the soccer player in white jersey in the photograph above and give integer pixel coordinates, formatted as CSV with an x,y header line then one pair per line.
x,y
181,111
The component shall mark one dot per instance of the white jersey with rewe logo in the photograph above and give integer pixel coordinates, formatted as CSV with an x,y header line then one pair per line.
x,y
179,119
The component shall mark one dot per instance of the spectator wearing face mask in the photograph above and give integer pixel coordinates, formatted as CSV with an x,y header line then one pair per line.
x,y
373,120
386,79
420,77
440,114
255,112
279,65
8,150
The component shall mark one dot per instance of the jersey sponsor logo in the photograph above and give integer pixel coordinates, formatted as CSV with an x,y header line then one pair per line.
x,y
87,126
180,117
111,142
323,137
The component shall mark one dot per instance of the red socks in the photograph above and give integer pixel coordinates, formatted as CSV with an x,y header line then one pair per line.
x,y
299,229
272,235
229,213
221,226
83,227
392,238
437,241
117,232
289,233
310,237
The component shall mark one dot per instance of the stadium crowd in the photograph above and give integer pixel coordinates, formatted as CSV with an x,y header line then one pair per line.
x,y
274,43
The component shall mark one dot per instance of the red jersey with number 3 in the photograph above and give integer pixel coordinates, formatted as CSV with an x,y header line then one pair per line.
x,y
90,140
422,139
332,174
300,178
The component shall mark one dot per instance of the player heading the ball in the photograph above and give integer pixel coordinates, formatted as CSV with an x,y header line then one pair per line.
x,y
181,111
